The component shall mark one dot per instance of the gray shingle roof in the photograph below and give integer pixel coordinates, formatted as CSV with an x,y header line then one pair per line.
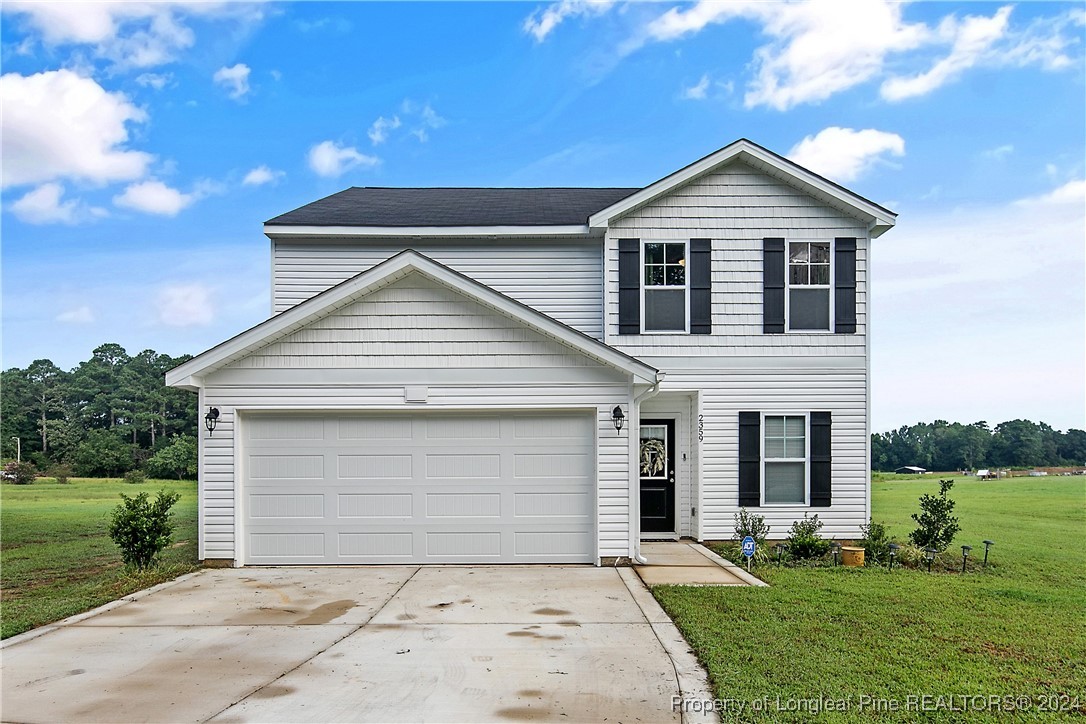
x,y
398,207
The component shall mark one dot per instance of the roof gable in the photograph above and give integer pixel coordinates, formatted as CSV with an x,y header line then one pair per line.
x,y
878,218
399,267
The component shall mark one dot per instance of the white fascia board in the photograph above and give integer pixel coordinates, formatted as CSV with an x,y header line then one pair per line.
x,y
879,218
398,266
275,231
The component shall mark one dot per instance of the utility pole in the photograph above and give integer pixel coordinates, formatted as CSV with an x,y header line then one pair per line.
x,y
18,448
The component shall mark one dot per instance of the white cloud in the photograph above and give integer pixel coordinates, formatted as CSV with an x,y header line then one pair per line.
x,y
818,48
697,91
79,315
155,197
543,20
43,206
378,132
843,154
329,159
995,284
971,39
999,152
234,79
58,125
1071,193
262,175
158,81
185,305
128,34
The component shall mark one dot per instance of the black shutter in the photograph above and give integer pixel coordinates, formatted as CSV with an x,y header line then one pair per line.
x,y
773,268
750,459
820,460
629,286
701,286
844,286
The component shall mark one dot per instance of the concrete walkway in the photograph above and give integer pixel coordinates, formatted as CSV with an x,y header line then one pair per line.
x,y
690,564
447,644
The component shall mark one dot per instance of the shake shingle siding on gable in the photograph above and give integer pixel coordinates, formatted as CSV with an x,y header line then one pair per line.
x,y
437,207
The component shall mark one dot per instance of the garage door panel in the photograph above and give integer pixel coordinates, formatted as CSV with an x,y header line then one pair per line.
x,y
422,488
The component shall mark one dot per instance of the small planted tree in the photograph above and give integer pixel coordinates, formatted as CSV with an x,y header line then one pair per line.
x,y
141,528
747,523
20,473
937,527
804,540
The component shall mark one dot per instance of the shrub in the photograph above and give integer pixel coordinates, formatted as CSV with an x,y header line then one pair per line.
x,y
102,454
176,460
804,540
135,477
747,523
876,543
20,473
61,472
911,556
142,528
937,526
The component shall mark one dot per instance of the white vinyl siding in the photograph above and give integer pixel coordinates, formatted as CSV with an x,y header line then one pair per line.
x,y
562,279
414,332
736,207
724,393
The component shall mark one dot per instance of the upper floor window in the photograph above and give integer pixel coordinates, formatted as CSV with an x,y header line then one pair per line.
x,y
665,286
809,285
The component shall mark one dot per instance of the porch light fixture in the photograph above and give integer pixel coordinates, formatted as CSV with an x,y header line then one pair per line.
x,y
618,418
930,556
965,555
987,544
211,419
893,554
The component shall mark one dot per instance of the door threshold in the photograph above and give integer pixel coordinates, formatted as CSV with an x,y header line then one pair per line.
x,y
659,536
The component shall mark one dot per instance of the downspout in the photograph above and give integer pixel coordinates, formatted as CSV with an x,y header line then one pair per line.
x,y
635,500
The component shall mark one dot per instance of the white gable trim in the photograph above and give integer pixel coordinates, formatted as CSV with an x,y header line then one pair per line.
x,y
878,219
279,231
188,374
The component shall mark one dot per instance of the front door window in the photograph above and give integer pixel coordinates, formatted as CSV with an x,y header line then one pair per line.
x,y
656,460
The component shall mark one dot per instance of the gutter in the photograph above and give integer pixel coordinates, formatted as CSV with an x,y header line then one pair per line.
x,y
635,499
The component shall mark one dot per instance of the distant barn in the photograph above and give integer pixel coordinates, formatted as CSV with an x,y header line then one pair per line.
x,y
910,470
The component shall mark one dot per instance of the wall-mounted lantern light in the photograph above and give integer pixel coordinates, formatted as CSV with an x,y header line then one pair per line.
x,y
965,555
618,418
211,419
987,544
930,555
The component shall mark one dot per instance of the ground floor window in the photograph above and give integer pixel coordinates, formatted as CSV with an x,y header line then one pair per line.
x,y
785,456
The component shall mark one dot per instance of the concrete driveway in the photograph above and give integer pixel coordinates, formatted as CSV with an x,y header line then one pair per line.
x,y
445,644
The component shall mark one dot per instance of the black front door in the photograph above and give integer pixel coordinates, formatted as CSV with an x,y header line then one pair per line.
x,y
657,462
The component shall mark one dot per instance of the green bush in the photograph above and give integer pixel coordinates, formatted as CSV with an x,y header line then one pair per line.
x,y
20,473
135,477
937,526
911,556
61,472
176,460
747,523
876,543
142,528
102,454
804,541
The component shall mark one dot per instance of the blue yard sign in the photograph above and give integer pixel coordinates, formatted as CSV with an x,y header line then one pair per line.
x,y
748,547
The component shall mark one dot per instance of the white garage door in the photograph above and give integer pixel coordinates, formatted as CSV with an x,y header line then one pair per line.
x,y
418,488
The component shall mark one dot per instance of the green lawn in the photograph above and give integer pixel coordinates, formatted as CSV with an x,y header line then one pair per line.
x,y
1017,629
57,559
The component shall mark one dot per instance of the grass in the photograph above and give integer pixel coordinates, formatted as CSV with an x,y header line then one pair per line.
x,y
1015,629
56,558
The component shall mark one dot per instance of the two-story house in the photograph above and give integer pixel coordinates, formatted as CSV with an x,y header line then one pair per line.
x,y
545,375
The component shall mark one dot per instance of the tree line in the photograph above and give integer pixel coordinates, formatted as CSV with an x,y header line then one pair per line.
x,y
943,445
110,414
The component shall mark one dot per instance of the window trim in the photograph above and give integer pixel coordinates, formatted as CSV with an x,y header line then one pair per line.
x,y
685,287
806,502
828,287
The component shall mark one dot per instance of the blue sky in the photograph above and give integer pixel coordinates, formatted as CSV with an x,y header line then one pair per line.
x,y
144,144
